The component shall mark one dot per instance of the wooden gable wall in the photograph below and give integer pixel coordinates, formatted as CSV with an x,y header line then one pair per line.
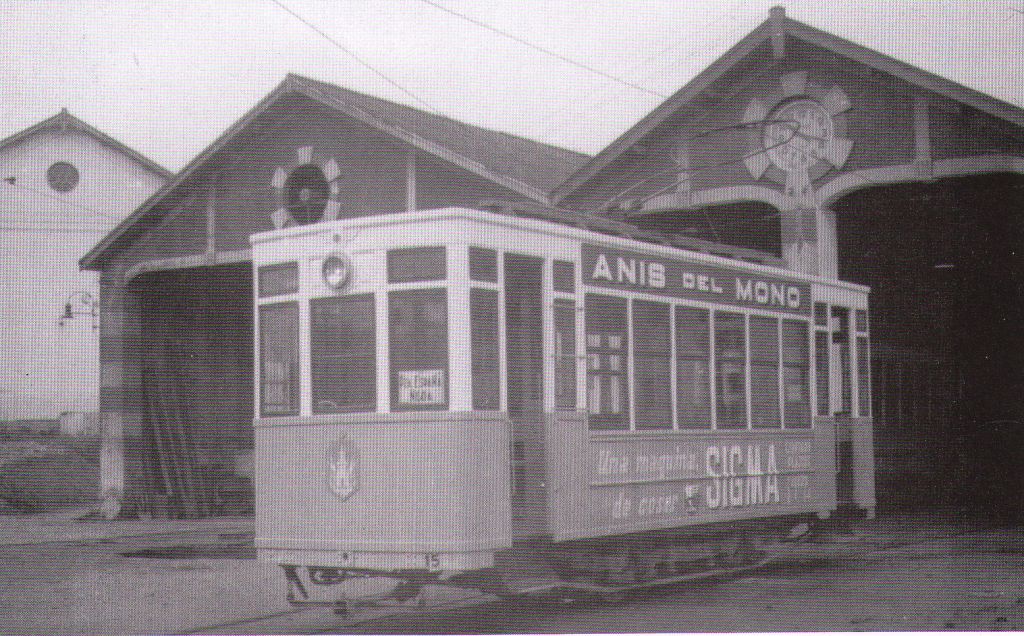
x,y
884,114
235,183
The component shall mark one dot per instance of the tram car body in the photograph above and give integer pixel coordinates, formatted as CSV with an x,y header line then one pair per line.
x,y
437,388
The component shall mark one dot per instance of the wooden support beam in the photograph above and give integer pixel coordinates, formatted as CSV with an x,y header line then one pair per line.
x,y
211,214
777,15
922,131
410,180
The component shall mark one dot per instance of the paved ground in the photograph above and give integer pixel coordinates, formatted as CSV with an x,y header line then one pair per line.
x,y
66,576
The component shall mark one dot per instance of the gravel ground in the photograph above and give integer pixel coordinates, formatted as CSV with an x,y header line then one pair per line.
x,y
63,575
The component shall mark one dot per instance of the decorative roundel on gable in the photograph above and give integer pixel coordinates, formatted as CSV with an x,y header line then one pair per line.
x,y
306,191
802,135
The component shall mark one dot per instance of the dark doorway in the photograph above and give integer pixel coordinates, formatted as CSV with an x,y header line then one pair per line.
x,y
196,359
944,263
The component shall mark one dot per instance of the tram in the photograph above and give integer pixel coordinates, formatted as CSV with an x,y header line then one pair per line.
x,y
438,390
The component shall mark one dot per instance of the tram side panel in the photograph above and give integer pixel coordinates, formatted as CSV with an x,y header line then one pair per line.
x,y
383,492
605,485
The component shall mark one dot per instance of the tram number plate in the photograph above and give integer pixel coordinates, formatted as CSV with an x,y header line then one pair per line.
x,y
433,561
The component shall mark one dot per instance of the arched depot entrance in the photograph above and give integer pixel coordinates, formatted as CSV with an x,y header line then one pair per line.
x,y
944,261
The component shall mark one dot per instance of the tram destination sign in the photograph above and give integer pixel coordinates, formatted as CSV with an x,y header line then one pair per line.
x,y
635,271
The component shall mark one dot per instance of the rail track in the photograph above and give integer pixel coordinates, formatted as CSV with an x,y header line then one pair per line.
x,y
355,613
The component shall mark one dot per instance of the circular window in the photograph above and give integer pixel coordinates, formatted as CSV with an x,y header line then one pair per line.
x,y
62,176
307,191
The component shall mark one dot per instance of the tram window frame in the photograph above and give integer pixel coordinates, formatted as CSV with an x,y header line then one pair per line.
x,y
693,360
417,264
652,364
288,341
796,362
729,367
765,356
343,371
406,353
606,328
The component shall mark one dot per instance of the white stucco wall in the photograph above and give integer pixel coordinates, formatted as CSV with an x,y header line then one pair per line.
x,y
46,369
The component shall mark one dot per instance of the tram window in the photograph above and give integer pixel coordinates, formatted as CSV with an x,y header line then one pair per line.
x,y
764,372
343,353
863,377
483,264
277,280
693,353
418,328
483,325
279,359
795,374
861,318
607,345
730,370
821,371
841,342
820,315
563,276
411,264
565,354
652,364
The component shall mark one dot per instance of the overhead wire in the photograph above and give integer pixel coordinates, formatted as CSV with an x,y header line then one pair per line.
x,y
604,99
12,181
542,49
53,229
793,131
355,57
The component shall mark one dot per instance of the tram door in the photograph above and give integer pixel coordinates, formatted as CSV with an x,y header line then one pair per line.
x,y
841,393
524,329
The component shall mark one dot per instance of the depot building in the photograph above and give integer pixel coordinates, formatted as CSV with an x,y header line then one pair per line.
x,y
796,148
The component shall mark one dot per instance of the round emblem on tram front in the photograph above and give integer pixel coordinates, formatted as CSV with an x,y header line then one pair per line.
x,y
343,468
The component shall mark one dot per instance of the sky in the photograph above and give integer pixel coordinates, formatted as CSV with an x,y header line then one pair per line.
x,y
167,78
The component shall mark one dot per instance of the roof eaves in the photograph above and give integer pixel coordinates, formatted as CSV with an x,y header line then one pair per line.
x,y
92,259
656,117
907,72
417,141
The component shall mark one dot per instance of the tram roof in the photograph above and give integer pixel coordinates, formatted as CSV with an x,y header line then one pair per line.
x,y
605,224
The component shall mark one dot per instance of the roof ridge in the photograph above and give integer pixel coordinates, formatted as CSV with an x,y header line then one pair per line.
x,y
459,122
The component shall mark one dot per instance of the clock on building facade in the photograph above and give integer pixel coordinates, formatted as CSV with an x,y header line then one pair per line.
x,y
801,135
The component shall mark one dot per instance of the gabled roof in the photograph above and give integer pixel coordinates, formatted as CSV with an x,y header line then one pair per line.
x,y
539,166
778,25
66,121
528,167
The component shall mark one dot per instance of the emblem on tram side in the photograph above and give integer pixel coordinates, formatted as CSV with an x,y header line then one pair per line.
x,y
343,468
802,135
306,191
